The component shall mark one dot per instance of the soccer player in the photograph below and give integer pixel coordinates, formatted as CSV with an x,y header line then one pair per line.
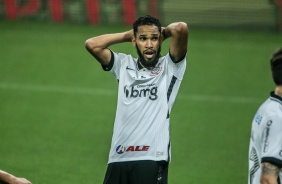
x,y
11,179
265,152
147,88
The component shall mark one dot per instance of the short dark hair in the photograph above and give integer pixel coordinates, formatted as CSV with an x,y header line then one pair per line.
x,y
276,66
146,20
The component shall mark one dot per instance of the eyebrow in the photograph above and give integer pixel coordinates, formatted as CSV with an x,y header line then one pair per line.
x,y
145,35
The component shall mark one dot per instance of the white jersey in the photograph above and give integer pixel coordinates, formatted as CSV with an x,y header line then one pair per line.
x,y
266,138
145,99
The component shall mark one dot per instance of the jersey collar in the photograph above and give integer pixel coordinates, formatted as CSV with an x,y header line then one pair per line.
x,y
275,97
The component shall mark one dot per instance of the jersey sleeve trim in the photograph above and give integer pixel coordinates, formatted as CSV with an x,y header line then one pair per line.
x,y
177,61
111,64
272,160
275,97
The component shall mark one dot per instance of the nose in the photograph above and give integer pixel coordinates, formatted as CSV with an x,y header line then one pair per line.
x,y
149,44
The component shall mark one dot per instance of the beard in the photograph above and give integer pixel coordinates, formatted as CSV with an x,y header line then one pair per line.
x,y
145,63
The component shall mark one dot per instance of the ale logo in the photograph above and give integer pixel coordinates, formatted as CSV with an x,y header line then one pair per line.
x,y
121,149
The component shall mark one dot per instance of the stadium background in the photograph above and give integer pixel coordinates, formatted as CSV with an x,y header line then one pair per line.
x,y
215,13
57,106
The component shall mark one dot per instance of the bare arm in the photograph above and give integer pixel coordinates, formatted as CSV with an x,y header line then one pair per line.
x,y
10,179
178,32
98,46
269,173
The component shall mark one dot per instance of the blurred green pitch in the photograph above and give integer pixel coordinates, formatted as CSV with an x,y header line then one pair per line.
x,y
57,105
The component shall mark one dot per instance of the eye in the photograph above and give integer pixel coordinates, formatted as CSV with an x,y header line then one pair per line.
x,y
142,38
155,38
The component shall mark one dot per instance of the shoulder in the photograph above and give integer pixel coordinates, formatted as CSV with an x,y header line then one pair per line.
x,y
116,60
172,68
171,62
119,55
122,57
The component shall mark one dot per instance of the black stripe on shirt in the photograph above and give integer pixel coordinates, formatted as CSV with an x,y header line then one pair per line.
x,y
169,91
172,82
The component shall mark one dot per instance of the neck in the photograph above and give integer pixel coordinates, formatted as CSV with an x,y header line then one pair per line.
x,y
278,90
141,64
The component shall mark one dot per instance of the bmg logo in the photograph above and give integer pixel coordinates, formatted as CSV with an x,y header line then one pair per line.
x,y
139,91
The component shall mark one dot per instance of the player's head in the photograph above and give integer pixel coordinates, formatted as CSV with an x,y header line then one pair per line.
x,y
276,66
147,40
146,20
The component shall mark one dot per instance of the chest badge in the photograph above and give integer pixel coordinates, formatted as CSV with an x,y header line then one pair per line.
x,y
156,70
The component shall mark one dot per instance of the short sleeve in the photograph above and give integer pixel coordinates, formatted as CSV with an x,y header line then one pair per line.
x,y
178,69
117,60
272,141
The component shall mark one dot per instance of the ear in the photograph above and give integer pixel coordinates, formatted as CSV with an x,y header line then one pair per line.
x,y
133,40
161,40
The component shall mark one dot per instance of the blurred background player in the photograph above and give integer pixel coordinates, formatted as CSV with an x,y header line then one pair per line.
x,y
278,13
265,152
148,85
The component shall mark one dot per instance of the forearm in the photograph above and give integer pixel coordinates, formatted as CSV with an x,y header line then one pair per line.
x,y
106,40
178,46
6,177
174,29
269,173
98,46
11,179
267,180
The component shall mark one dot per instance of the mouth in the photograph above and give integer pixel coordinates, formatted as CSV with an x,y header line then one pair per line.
x,y
149,54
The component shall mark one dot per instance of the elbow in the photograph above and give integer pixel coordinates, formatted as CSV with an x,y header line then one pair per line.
x,y
92,46
88,45
182,27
